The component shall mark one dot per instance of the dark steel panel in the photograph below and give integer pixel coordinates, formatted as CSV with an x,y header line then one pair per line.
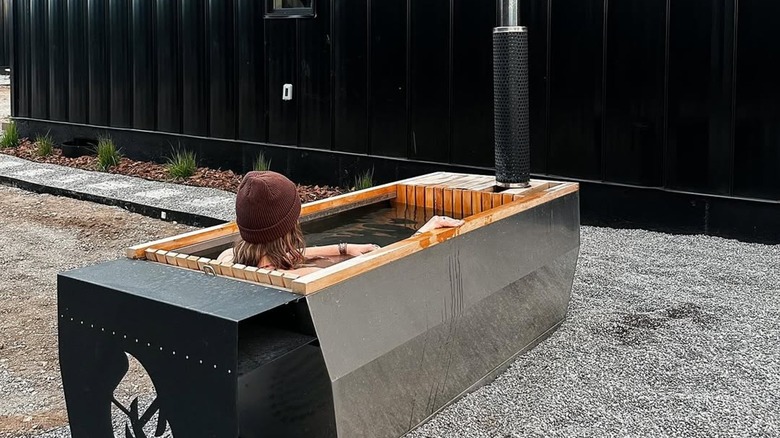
x,y
282,50
634,106
78,62
121,61
58,61
251,70
430,76
576,88
21,53
193,46
757,134
99,87
222,111
389,119
143,55
5,33
39,65
168,68
472,105
350,69
314,98
534,15
700,95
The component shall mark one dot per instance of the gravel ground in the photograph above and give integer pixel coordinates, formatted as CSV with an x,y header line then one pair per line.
x,y
666,336
40,236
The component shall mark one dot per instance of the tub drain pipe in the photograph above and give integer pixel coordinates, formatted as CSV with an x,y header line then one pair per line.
x,y
510,99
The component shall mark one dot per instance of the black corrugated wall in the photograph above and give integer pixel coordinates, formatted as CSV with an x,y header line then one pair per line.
x,y
5,33
677,94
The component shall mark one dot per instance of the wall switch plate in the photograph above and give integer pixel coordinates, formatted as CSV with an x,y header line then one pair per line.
x,y
287,92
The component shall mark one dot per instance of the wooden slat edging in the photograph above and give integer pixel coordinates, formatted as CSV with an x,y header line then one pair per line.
x,y
170,243
319,280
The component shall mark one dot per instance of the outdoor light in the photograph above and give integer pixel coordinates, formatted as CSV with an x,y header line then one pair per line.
x,y
510,94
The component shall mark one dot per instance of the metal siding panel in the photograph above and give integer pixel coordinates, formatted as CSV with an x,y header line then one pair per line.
x,y
39,67
58,60
576,88
314,78
121,64
194,74
251,70
634,106
144,83
350,69
757,134
99,96
389,118
78,62
21,73
699,114
282,115
168,68
534,15
222,113
472,118
430,87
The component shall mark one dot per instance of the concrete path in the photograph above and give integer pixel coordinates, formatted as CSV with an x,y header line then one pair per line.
x,y
194,205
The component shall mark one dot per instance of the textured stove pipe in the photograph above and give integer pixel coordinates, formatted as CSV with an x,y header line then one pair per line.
x,y
511,105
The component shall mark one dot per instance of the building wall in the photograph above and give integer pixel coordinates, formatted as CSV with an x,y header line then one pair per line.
x,y
679,95
5,34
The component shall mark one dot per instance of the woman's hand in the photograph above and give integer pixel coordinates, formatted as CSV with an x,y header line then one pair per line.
x,y
355,250
437,222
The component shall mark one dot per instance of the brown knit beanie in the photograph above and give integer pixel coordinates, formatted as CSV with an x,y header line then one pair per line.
x,y
267,207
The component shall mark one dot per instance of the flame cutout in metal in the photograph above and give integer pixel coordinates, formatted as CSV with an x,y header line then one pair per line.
x,y
139,422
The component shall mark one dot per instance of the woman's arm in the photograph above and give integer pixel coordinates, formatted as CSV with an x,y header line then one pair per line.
x,y
351,249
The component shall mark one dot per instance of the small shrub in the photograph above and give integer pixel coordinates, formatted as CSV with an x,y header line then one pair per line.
x,y
365,180
10,137
44,145
182,163
262,163
107,153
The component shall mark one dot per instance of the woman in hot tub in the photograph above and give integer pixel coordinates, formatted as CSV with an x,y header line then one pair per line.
x,y
267,212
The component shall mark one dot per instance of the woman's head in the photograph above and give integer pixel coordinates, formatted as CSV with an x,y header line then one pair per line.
x,y
267,211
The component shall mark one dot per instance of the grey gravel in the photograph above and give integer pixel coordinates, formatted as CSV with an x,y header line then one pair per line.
x,y
209,202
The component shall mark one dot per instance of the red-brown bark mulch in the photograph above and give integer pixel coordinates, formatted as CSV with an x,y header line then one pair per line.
x,y
204,177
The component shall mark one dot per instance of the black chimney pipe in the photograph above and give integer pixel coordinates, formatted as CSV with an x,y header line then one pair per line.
x,y
510,99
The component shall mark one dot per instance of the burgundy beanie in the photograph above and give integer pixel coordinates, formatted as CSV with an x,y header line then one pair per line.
x,y
267,207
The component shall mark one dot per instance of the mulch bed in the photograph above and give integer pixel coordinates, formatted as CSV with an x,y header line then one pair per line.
x,y
204,177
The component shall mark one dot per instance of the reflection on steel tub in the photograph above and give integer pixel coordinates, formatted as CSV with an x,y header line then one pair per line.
x,y
369,347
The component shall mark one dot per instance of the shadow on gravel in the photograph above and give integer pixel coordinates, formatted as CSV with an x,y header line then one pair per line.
x,y
637,328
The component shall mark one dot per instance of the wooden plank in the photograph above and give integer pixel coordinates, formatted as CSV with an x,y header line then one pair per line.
x,y
203,261
497,200
181,260
238,271
448,201
277,278
264,276
419,196
536,186
457,203
438,200
319,280
216,266
400,194
170,243
487,201
506,198
160,254
227,269
151,254
288,279
192,262
476,202
346,202
250,272
411,197
170,257
467,210
429,197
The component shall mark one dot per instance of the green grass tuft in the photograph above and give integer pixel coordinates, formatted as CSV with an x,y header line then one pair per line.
x,y
107,153
262,163
44,145
10,137
182,163
365,180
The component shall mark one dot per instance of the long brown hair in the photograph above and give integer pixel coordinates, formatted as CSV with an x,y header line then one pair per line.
x,y
283,253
